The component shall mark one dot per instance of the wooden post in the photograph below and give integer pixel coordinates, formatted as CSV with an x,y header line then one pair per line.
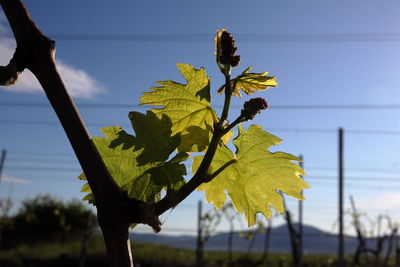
x,y
230,245
3,158
200,243
266,242
292,234
340,176
397,251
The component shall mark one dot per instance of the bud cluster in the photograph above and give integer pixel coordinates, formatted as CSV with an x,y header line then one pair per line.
x,y
228,49
253,107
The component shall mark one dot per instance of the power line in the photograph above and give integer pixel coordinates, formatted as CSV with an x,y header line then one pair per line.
x,y
295,130
36,160
393,106
38,153
353,178
311,168
43,169
370,170
307,178
242,37
71,156
341,106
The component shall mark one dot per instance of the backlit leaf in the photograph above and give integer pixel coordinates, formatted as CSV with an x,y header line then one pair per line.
x,y
251,82
254,181
153,134
187,105
197,139
121,154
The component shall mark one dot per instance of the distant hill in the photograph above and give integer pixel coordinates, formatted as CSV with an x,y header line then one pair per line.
x,y
315,241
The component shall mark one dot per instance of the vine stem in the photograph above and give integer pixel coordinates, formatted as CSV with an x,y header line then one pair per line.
x,y
228,96
201,175
221,169
234,123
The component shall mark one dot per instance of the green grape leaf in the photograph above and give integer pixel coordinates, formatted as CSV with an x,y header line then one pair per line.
x,y
120,153
197,139
251,82
187,105
153,134
157,178
254,181
225,138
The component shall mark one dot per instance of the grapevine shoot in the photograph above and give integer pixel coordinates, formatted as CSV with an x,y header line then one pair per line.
x,y
182,121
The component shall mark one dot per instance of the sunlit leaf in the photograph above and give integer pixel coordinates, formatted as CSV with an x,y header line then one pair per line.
x,y
197,139
251,82
187,105
120,153
153,134
254,181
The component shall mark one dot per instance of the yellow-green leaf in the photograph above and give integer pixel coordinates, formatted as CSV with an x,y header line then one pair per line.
x,y
251,82
197,140
120,153
187,105
227,137
254,181
153,134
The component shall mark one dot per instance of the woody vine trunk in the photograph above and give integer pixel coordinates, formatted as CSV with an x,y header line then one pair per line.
x,y
36,52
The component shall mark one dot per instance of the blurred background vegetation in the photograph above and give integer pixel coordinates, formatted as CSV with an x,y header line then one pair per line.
x,y
49,232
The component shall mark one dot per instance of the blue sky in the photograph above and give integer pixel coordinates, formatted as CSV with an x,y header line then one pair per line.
x,y
322,53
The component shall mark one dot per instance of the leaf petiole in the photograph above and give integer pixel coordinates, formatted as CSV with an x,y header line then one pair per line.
x,y
228,96
233,124
221,169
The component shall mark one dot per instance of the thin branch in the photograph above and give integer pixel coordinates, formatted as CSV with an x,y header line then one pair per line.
x,y
228,96
238,120
198,178
221,169
171,200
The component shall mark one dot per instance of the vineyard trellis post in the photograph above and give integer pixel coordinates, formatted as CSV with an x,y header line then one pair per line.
x,y
293,235
266,242
200,240
341,262
397,251
2,160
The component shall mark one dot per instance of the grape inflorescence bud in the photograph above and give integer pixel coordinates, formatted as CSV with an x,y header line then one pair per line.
x,y
253,107
227,49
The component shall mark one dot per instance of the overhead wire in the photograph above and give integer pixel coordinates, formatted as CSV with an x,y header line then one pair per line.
x,y
243,37
325,178
294,130
393,106
73,160
45,155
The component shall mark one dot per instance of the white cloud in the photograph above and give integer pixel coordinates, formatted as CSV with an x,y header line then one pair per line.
x,y
11,179
79,83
